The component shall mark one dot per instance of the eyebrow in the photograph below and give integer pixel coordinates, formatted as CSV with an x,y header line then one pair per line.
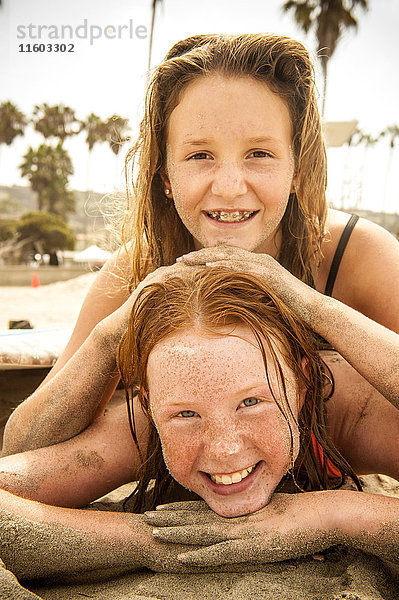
x,y
253,140
244,393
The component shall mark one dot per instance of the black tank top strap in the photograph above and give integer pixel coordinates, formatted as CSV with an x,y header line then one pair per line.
x,y
336,261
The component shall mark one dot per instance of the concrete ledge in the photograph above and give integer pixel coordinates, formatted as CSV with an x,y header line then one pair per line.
x,y
20,275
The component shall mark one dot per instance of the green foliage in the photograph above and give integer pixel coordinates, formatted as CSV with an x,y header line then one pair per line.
x,y
48,169
50,230
113,130
12,123
8,228
57,121
329,18
96,130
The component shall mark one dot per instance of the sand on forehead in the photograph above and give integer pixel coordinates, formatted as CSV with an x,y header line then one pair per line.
x,y
343,574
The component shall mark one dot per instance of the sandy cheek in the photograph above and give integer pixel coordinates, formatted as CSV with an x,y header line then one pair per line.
x,y
178,456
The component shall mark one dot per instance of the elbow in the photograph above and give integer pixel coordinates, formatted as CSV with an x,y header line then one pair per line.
x,y
13,441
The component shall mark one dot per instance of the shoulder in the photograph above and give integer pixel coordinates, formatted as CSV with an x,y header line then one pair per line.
x,y
363,425
366,236
368,276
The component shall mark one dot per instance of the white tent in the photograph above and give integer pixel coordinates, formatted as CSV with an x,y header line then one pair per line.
x,y
92,254
338,133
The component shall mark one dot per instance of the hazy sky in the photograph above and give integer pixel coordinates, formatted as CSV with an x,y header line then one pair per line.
x,y
107,75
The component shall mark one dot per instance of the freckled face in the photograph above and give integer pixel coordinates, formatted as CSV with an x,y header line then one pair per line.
x,y
230,164
222,434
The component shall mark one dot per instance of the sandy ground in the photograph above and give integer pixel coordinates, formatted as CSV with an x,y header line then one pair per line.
x,y
48,306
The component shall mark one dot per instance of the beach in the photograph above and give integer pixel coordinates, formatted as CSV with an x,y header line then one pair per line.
x,y
53,306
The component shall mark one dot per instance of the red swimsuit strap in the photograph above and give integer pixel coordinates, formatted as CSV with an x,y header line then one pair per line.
x,y
332,470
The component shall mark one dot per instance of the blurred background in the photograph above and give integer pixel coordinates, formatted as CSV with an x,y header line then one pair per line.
x,y
73,78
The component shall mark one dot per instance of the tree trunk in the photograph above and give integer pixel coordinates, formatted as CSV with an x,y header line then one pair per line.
x,y
153,10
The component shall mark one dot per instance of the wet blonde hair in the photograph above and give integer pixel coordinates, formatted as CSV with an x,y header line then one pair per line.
x,y
153,229
214,299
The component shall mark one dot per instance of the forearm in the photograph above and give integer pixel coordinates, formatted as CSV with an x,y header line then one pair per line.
x,y
68,403
367,522
39,540
369,347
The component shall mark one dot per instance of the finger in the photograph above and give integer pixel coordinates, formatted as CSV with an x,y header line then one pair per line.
x,y
187,505
190,534
223,553
174,518
228,264
233,552
205,254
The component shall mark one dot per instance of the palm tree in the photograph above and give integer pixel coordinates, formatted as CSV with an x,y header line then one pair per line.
x,y
48,169
117,129
153,11
12,123
97,132
57,121
330,18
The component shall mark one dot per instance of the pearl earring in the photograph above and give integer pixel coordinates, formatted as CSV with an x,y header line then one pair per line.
x,y
167,191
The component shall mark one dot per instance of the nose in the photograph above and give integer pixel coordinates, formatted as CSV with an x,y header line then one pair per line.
x,y
222,440
228,181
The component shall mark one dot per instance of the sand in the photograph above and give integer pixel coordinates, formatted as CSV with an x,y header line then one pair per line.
x,y
53,306
341,574
338,573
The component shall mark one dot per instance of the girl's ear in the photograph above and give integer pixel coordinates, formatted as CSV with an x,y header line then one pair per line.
x,y
166,183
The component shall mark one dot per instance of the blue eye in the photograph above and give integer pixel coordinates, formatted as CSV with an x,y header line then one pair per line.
x,y
187,413
250,402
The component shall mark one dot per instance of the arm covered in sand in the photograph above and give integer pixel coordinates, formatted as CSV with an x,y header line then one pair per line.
x,y
43,529
78,391
69,401
38,541
83,379
290,526
371,349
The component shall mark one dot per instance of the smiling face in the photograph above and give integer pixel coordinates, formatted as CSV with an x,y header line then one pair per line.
x,y
222,433
230,163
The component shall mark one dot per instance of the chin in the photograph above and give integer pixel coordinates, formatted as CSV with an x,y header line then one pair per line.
x,y
235,507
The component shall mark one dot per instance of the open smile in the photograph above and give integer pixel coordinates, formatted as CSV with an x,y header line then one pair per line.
x,y
231,483
230,216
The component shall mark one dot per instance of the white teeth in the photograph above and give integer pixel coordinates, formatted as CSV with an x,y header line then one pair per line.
x,y
236,477
227,217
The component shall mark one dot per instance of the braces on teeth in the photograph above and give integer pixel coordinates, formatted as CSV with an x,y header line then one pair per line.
x,y
236,216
